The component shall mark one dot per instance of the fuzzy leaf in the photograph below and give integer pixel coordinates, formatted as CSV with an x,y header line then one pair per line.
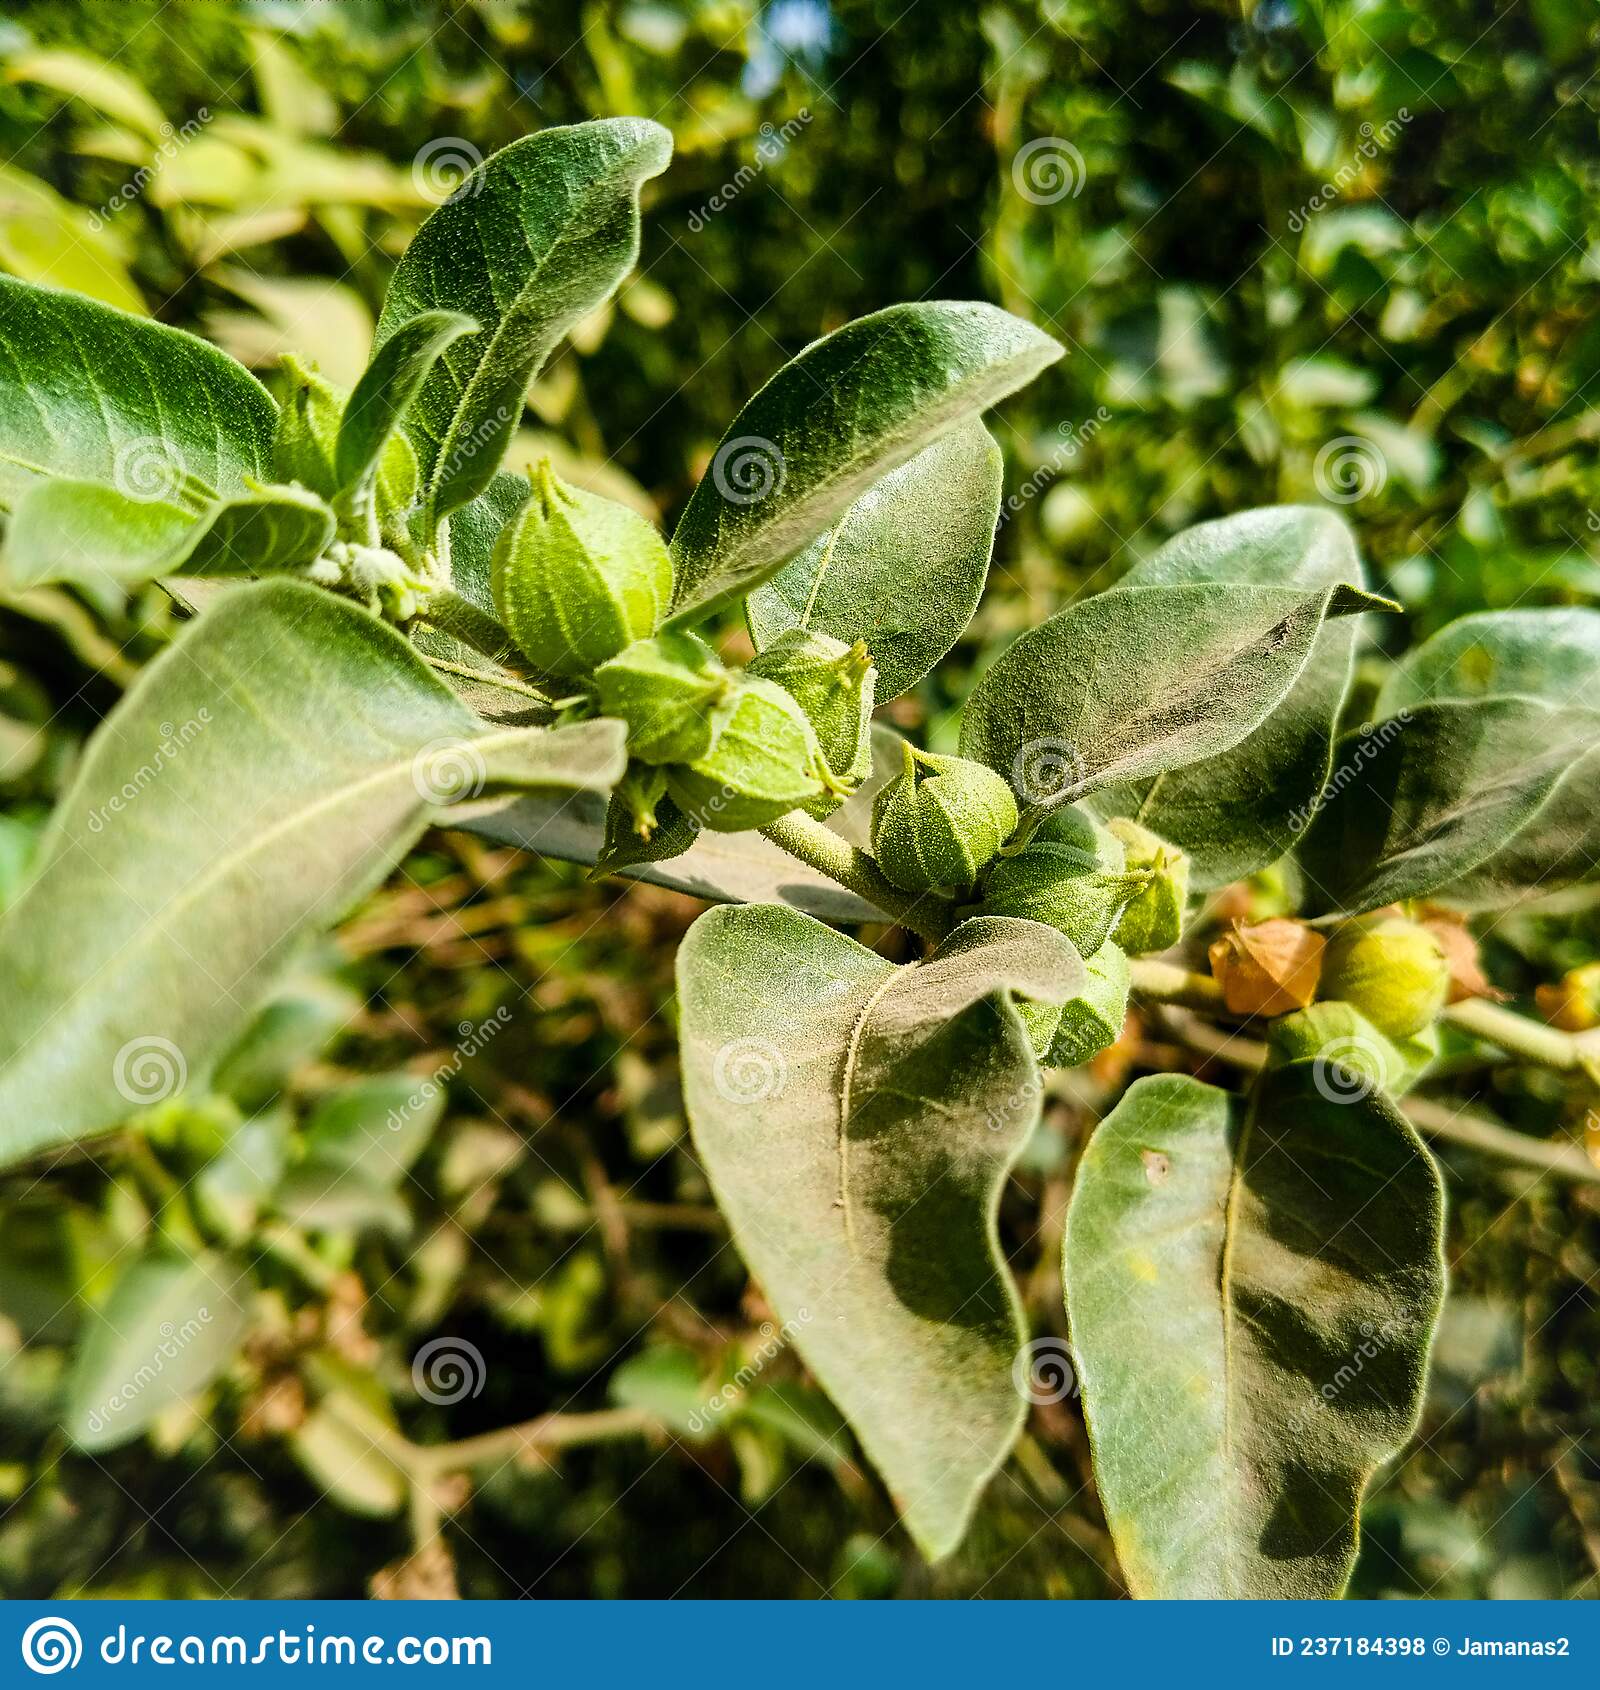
x,y
904,567
1143,679
120,979
387,389
168,1328
87,532
857,1121
1423,798
1252,1288
531,242
1242,809
852,407
95,394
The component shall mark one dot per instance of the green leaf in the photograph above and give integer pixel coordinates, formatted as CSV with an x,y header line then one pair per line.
x,y
852,407
531,242
45,238
166,1331
1144,679
98,536
1419,800
1241,810
272,764
329,1196
1251,1288
379,1124
388,388
98,395
857,1122
904,567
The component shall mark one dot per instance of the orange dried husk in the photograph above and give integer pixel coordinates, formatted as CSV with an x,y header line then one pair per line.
x,y
1268,967
1467,979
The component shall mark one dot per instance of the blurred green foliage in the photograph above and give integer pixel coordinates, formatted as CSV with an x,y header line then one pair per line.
x,y
1299,250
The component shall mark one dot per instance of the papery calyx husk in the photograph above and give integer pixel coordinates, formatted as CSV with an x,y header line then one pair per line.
x,y
1070,874
673,692
1339,1036
1392,969
939,823
763,763
577,577
1268,967
1153,920
1084,1025
834,683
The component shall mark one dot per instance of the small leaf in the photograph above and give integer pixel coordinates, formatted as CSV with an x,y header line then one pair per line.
x,y
95,394
85,532
1239,811
379,1124
852,407
1140,680
122,982
857,1121
530,243
167,1330
1421,799
903,568
1251,1289
387,389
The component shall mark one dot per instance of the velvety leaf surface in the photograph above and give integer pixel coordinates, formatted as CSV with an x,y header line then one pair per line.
x,y
852,407
168,1328
1144,679
1239,811
904,567
1423,798
532,241
857,1121
119,979
1252,1288
98,395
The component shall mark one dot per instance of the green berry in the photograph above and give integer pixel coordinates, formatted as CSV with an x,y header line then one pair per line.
x,y
939,823
673,693
1070,876
1393,970
1153,920
764,762
577,578
834,684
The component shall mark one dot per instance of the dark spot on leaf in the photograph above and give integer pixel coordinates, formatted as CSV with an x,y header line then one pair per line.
x,y
1156,1165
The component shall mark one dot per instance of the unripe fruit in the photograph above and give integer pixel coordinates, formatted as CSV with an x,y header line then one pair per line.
x,y
1393,970
834,684
1153,920
673,693
1069,875
1573,1003
940,821
764,762
1337,1032
577,578
643,825
1093,1019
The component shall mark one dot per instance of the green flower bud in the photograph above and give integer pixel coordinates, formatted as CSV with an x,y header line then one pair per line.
x,y
1093,1019
834,684
764,762
643,825
673,693
307,434
940,822
1153,920
577,578
1069,875
1393,970
1338,1033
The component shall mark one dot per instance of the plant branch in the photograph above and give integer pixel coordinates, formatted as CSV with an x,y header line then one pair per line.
x,y
1166,982
1518,1035
819,847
